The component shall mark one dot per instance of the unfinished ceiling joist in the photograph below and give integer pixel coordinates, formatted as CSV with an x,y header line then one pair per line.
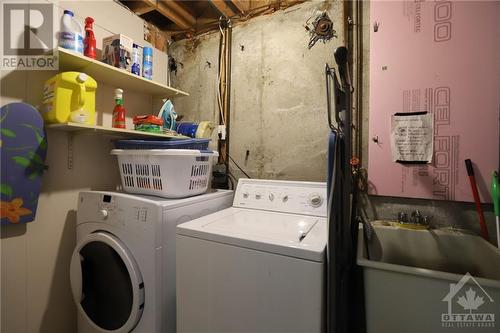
x,y
144,10
223,8
176,13
242,5
142,7
186,18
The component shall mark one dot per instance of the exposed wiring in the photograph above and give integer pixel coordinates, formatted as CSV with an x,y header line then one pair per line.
x,y
231,175
219,97
231,180
219,102
246,174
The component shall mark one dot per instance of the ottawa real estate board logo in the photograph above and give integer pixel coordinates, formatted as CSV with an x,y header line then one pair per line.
x,y
28,36
467,302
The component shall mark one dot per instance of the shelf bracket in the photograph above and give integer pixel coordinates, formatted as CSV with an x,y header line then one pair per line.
x,y
70,150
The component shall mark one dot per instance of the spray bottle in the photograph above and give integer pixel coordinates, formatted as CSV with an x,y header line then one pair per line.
x,y
119,110
89,42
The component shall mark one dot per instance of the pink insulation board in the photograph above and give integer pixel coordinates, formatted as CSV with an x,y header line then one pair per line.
x,y
441,57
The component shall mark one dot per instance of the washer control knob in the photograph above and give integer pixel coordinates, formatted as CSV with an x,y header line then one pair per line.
x,y
285,198
245,195
258,196
271,197
103,213
315,200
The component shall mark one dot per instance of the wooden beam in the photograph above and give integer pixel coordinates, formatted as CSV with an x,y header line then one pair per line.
x,y
143,10
176,13
141,7
181,10
242,5
223,8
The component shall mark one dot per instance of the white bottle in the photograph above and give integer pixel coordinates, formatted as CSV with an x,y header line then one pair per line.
x,y
71,35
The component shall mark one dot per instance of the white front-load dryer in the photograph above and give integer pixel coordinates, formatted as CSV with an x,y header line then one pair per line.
x,y
123,268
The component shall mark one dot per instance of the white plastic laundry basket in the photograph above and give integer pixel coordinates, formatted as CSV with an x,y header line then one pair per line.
x,y
168,173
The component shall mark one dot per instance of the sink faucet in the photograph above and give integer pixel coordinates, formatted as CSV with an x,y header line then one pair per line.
x,y
403,217
416,217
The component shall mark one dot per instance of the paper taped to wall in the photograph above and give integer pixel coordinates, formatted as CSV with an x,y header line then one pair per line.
x,y
412,137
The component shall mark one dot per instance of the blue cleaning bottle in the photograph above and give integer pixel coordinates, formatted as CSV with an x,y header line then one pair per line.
x,y
147,63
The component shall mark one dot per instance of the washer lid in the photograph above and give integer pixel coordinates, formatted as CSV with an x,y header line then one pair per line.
x,y
292,235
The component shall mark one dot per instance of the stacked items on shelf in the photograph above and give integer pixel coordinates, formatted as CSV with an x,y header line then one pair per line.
x,y
118,50
151,124
69,97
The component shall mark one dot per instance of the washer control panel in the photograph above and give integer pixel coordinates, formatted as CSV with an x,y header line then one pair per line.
x,y
282,196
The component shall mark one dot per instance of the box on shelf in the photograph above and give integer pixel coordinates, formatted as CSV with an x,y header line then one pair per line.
x,y
117,51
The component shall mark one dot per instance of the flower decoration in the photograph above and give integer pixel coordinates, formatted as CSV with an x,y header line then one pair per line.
x,y
13,210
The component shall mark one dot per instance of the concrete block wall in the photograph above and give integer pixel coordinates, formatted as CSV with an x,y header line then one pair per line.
x,y
278,96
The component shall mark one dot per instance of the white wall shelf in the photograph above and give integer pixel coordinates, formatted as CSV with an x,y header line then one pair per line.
x,y
117,132
76,128
116,77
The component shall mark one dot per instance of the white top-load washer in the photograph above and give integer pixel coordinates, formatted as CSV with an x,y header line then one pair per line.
x,y
258,266
123,267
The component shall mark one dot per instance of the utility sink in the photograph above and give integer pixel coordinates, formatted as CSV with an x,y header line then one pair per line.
x,y
420,280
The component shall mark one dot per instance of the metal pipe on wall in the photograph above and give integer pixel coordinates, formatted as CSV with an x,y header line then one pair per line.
x,y
229,36
354,40
220,91
224,95
358,79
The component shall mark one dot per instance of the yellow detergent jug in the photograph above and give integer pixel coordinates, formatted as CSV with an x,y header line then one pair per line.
x,y
69,96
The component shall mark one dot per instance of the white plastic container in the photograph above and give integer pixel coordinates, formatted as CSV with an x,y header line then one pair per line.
x,y
71,34
168,173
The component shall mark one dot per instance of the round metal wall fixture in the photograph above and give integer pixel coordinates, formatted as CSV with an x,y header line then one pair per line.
x,y
322,29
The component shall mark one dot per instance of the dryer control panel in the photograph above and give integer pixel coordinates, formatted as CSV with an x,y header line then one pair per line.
x,y
308,198
118,209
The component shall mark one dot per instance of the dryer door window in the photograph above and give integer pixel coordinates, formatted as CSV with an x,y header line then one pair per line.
x,y
107,285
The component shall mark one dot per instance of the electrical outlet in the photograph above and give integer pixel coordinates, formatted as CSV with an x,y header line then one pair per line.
x,y
221,130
